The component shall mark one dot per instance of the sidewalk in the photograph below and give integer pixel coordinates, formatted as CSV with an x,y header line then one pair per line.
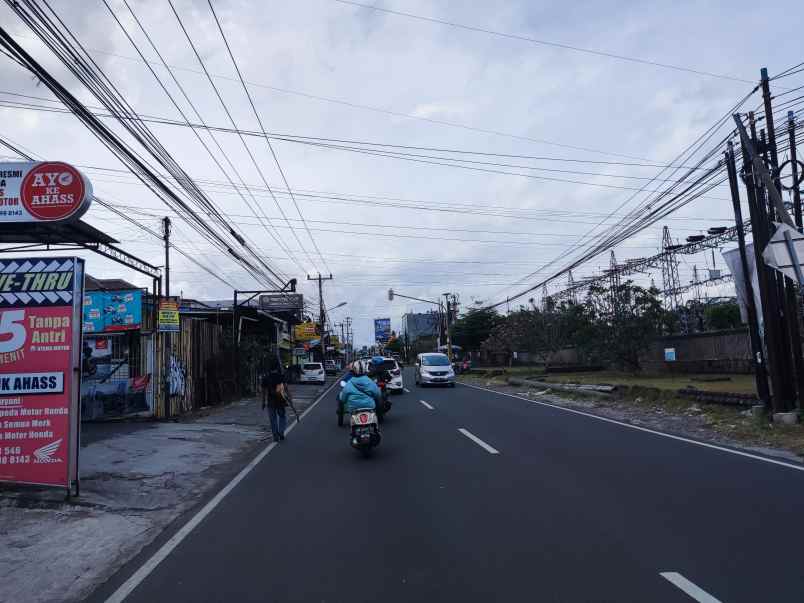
x,y
135,479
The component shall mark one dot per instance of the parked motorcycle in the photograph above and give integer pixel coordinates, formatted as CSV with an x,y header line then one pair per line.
x,y
365,430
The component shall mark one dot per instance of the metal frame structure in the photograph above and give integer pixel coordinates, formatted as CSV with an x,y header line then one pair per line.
x,y
641,265
289,287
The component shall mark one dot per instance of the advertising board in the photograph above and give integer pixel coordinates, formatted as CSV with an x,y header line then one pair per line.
x,y
40,352
169,321
42,191
277,302
305,331
108,311
382,329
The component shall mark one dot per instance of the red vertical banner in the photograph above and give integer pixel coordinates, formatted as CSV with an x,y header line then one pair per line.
x,y
40,355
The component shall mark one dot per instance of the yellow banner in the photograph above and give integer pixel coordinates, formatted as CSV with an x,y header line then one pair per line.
x,y
168,315
304,331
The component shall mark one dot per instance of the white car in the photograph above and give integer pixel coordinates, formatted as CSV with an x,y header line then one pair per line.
x,y
395,386
434,369
313,372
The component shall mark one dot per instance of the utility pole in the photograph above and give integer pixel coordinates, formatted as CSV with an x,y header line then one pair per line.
x,y
791,133
789,295
448,320
350,350
166,336
771,308
321,312
763,390
166,237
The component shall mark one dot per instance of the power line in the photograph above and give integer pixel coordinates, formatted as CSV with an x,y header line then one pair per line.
x,y
521,38
67,48
263,219
181,112
389,112
234,124
262,129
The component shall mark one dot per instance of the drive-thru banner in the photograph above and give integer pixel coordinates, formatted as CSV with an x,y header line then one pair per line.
x,y
40,351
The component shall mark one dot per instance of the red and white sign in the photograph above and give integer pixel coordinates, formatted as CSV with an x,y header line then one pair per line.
x,y
49,191
40,335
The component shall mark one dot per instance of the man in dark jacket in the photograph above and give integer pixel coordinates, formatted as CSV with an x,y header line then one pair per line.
x,y
274,398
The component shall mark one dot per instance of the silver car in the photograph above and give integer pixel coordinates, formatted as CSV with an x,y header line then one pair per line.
x,y
434,369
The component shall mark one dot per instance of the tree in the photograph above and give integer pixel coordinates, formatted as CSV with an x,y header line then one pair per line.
x,y
620,323
503,338
394,345
722,316
472,329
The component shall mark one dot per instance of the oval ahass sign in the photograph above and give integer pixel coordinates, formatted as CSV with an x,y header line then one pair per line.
x,y
50,191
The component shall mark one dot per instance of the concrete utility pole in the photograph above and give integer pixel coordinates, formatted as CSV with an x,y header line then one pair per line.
x,y
166,237
450,304
760,367
350,348
321,312
166,336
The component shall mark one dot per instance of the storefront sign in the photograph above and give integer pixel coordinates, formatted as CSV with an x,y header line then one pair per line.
x,y
304,331
40,335
42,191
277,302
108,311
169,315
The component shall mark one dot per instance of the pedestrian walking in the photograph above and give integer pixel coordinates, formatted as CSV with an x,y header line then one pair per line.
x,y
275,398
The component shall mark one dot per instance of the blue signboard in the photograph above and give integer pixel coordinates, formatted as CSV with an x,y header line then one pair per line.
x,y
106,311
382,329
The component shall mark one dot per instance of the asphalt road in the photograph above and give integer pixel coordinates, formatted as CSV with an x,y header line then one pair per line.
x,y
528,503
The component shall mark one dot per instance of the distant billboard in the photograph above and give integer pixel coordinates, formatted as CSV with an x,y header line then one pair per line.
x,y
106,311
382,329
279,302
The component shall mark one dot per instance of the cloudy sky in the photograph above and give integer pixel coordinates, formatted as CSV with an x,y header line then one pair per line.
x,y
333,70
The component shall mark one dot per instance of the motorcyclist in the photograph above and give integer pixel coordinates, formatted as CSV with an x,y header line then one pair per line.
x,y
359,392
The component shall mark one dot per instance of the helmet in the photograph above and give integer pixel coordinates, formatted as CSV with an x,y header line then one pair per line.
x,y
357,368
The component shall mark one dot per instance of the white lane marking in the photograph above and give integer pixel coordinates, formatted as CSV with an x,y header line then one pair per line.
x,y
478,441
693,590
166,549
426,405
407,391
647,430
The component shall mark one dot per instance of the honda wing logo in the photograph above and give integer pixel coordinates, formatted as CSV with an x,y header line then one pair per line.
x,y
46,452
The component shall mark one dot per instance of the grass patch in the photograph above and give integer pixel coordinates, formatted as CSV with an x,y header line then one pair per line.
x,y
737,384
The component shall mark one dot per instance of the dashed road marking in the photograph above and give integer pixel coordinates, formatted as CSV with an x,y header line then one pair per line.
x,y
662,434
426,405
690,588
407,391
478,441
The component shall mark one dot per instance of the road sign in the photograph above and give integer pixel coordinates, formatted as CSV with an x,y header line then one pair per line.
x,y
40,360
277,302
785,252
42,191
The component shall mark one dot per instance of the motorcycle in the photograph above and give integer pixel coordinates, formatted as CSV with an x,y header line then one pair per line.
x,y
382,380
365,430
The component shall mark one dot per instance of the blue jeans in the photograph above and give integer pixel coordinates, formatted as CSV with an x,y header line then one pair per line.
x,y
278,421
